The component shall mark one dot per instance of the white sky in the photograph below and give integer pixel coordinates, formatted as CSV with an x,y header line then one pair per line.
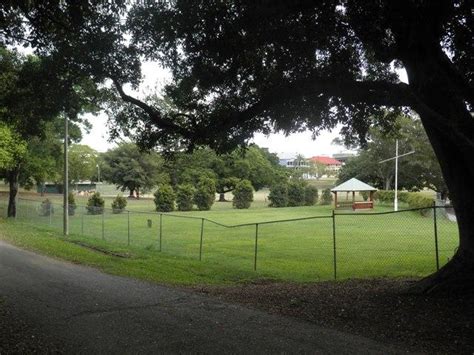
x,y
156,77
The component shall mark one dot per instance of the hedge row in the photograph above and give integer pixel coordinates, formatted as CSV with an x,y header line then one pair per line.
x,y
292,194
413,199
203,196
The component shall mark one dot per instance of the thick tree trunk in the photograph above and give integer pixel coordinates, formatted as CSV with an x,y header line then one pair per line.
x,y
450,129
130,195
138,193
13,186
222,197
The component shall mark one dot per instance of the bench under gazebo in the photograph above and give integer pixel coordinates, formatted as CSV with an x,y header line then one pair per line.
x,y
353,185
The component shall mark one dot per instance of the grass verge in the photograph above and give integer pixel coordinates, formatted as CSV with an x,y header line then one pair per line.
x,y
141,264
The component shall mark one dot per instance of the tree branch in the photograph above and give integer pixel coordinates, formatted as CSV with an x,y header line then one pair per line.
x,y
155,116
350,91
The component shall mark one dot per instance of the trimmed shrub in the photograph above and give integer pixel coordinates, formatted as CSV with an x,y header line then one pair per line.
x,y
326,197
46,208
310,195
296,194
364,194
164,198
385,196
417,200
184,197
118,204
243,194
403,196
71,209
205,194
95,204
278,195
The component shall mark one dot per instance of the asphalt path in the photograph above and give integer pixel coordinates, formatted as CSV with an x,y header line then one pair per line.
x,y
82,310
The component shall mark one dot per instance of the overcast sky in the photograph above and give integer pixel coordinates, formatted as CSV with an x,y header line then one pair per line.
x,y
155,78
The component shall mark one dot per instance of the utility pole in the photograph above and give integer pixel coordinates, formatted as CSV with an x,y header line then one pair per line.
x,y
395,198
66,179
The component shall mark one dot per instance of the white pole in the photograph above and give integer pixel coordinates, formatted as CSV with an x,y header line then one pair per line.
x,y
66,180
395,199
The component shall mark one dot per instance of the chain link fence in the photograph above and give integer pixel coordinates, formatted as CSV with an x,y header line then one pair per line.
x,y
412,242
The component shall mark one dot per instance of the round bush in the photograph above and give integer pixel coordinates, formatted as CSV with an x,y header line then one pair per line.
x,y
310,195
71,210
46,208
205,194
243,194
184,197
164,198
118,204
95,204
278,195
326,197
296,197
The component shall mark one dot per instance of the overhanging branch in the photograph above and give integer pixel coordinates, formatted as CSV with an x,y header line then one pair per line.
x,y
155,116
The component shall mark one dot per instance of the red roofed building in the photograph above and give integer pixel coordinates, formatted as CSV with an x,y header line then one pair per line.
x,y
331,163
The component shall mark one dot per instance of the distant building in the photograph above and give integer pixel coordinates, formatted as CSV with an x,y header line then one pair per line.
x,y
343,157
294,161
57,188
331,164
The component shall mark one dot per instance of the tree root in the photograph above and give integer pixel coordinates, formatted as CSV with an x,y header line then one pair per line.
x,y
456,278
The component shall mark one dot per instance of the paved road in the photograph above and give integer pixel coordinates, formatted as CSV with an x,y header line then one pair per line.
x,y
86,311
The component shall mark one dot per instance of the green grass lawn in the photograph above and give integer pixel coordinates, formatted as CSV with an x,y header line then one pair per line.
x,y
374,245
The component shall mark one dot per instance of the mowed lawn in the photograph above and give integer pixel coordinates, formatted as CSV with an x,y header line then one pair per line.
x,y
367,245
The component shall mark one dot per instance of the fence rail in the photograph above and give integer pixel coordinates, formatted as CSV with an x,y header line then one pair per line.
x,y
410,242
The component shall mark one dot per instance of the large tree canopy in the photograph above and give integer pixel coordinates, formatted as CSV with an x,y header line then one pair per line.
x,y
254,164
82,163
133,170
246,66
32,95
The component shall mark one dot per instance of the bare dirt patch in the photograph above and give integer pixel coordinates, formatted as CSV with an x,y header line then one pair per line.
x,y
379,309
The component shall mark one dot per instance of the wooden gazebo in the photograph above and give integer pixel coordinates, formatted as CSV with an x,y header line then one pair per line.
x,y
353,185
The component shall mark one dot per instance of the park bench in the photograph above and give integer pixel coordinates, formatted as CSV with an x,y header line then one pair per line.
x,y
362,205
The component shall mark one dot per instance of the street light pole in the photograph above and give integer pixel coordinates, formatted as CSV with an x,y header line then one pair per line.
x,y
66,179
395,197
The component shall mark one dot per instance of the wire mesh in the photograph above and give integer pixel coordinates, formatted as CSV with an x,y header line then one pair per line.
x,y
342,245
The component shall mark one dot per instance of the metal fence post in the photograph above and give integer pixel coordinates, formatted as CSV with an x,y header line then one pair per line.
x,y
436,235
103,224
161,229
200,242
256,246
128,228
334,242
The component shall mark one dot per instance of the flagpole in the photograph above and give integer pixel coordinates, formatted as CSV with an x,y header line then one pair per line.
x,y
395,198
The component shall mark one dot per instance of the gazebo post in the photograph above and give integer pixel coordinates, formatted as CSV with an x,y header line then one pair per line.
x,y
353,196
335,199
